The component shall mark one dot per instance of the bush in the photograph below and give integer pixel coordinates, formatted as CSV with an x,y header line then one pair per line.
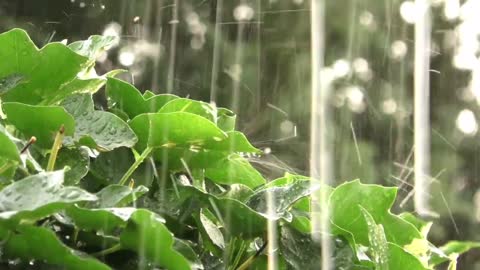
x,y
156,180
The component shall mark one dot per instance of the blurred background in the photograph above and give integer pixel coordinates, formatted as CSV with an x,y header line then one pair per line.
x,y
255,57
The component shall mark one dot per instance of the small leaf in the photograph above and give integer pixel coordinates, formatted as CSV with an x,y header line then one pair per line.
x,y
38,196
102,130
43,122
104,220
212,231
37,243
452,247
378,242
117,195
124,96
147,235
226,119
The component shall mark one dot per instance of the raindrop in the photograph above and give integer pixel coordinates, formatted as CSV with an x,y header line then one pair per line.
x,y
243,13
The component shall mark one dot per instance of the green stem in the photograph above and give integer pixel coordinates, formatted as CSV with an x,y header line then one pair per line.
x,y
57,144
107,251
135,165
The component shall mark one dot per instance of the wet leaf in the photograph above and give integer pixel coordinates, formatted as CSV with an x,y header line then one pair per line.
x,y
281,199
8,149
234,169
171,129
93,46
147,235
378,242
377,200
75,161
191,106
98,129
124,96
212,231
44,72
43,122
299,250
29,242
105,220
39,196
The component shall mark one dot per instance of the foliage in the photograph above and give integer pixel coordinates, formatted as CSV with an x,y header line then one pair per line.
x,y
202,205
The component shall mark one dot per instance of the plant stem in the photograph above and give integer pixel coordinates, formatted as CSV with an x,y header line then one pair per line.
x,y
135,165
32,140
107,251
57,144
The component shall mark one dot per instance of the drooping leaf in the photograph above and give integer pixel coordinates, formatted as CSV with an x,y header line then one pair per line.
x,y
38,196
44,71
450,248
43,122
147,235
124,96
98,129
117,195
183,247
171,129
212,231
104,220
30,242
234,169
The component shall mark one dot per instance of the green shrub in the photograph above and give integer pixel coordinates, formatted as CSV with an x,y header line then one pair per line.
x,y
163,181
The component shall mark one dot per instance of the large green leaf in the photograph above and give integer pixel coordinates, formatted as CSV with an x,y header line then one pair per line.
x,y
43,122
29,242
344,204
171,129
102,130
124,96
147,235
44,72
38,196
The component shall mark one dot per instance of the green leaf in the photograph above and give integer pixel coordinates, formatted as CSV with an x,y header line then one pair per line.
x,y
234,169
226,119
238,218
37,243
212,231
98,129
8,149
117,195
378,242
105,220
191,106
109,167
171,129
184,248
422,226
344,206
399,258
147,235
451,248
11,81
75,161
93,46
299,250
44,72
126,97
38,196
280,198
43,122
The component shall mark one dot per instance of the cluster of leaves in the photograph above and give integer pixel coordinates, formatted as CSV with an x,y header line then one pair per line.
x,y
156,180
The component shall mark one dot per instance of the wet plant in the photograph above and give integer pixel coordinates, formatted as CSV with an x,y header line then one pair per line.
x,y
159,181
